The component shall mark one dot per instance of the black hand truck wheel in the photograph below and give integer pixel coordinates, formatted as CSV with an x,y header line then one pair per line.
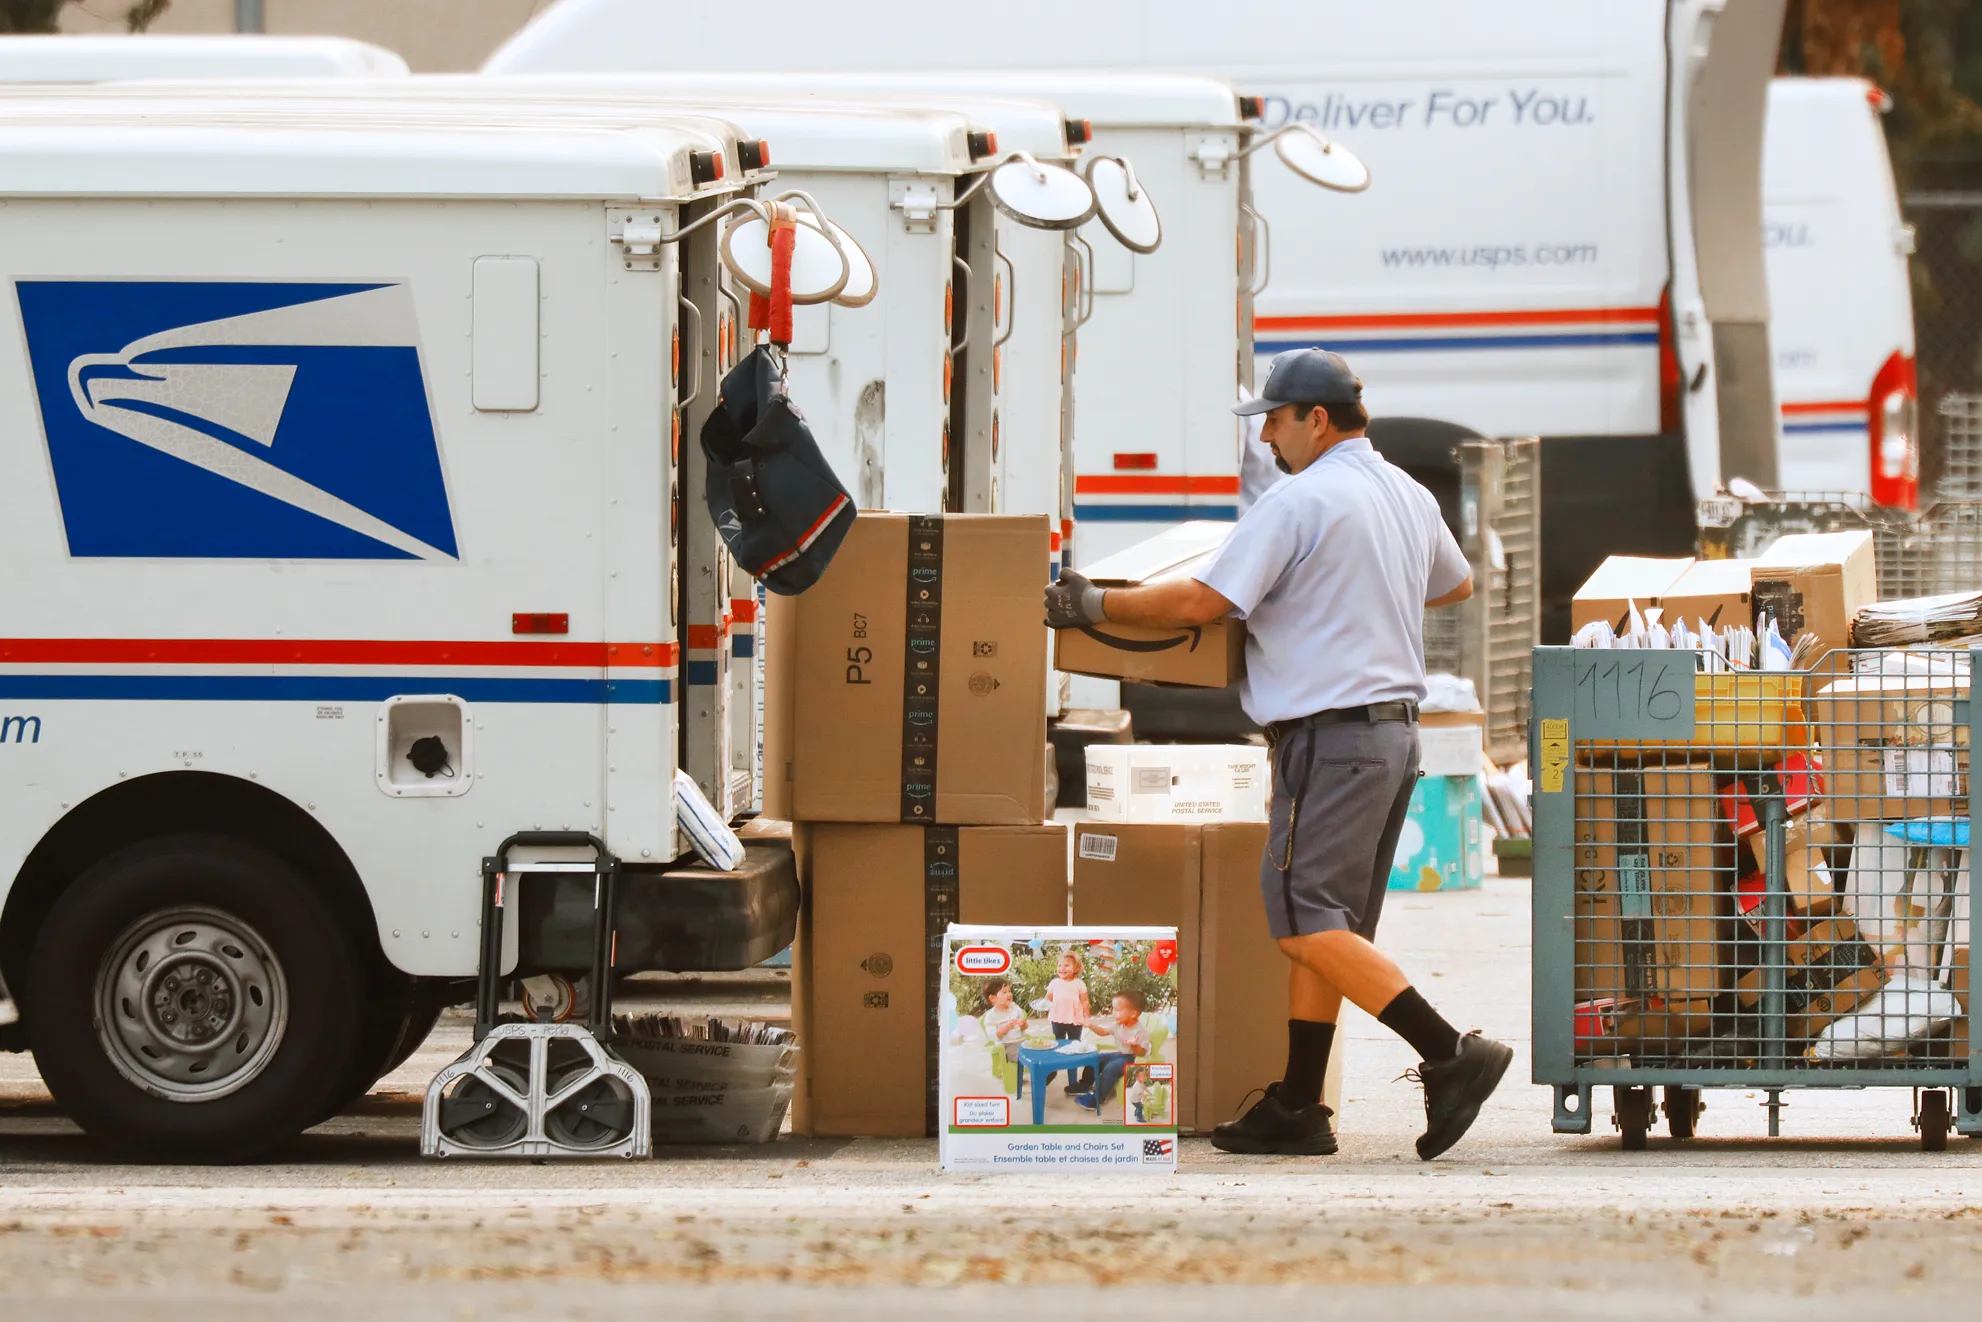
x,y
1935,1120
1682,1110
1633,1116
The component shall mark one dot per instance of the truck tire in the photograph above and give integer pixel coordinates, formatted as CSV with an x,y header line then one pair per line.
x,y
195,997
384,1044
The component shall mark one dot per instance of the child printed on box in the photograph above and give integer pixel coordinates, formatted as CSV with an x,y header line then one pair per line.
x,y
1132,1039
1069,1012
1004,1021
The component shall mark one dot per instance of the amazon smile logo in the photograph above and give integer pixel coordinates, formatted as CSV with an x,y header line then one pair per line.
x,y
1191,635
237,419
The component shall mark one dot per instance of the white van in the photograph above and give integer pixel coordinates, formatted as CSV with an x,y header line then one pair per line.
x,y
1841,298
366,446
1553,177
113,59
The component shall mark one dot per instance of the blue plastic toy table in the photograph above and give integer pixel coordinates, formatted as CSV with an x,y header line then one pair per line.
x,y
1042,1063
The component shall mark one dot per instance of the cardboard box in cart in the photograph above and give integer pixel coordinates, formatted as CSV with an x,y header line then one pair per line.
x,y
1621,582
1714,591
1652,861
1892,746
1816,582
1003,1107
1831,971
877,900
1206,656
910,680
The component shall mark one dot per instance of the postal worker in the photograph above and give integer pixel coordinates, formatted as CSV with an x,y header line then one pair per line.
x,y
1331,570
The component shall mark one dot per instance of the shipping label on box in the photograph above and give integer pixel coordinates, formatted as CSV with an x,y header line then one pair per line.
x,y
1177,782
1025,1012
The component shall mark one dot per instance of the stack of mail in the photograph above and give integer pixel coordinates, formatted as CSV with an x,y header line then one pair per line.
x,y
1918,620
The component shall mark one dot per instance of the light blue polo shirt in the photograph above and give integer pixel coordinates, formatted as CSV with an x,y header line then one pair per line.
x,y
1330,569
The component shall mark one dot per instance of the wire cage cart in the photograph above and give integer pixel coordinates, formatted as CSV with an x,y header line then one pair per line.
x,y
1938,549
1753,880
1490,638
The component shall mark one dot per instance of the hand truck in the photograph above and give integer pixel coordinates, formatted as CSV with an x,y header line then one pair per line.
x,y
540,1090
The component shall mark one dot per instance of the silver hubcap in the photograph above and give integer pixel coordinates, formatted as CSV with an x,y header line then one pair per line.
x,y
190,1004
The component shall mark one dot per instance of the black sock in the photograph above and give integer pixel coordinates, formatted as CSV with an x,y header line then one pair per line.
x,y
1308,1043
1411,1017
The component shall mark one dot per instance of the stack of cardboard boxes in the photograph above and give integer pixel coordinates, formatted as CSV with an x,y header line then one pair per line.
x,y
905,735
1811,583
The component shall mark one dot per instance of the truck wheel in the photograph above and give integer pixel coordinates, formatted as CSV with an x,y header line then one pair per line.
x,y
194,997
386,1043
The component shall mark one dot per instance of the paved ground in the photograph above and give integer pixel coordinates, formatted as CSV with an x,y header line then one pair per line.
x,y
1841,1216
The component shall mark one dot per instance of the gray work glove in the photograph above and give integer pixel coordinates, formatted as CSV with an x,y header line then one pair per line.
x,y
1073,602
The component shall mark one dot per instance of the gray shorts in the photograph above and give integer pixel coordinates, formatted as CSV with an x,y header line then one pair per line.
x,y
1340,797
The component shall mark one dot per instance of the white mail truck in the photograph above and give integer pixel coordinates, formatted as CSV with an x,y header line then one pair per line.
x,y
1840,295
110,59
345,546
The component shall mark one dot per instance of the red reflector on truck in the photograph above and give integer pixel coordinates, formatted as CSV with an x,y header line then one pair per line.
x,y
540,622
1134,462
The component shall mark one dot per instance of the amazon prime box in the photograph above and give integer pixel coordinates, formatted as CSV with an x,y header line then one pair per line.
x,y
1204,656
1060,1049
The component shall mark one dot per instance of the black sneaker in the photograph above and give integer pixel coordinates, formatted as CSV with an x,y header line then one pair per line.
x,y
1271,1127
1455,1090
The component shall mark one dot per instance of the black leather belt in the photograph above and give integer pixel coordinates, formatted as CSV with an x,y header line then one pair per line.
x,y
1369,714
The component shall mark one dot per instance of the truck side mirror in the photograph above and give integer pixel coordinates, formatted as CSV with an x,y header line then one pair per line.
x,y
1046,197
1123,204
820,270
1320,160
861,282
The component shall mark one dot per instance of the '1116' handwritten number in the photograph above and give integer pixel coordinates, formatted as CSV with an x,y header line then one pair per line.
x,y
1626,692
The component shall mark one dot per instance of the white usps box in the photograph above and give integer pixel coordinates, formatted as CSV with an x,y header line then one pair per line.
x,y
1452,743
1014,1035
1177,782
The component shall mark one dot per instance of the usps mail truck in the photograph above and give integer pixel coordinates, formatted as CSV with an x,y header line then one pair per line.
x,y
345,548
1841,300
1563,240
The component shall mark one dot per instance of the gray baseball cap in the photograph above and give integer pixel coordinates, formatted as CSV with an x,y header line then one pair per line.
x,y
1306,376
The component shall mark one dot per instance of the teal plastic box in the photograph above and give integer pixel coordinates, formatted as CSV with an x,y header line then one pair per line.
x,y
1443,847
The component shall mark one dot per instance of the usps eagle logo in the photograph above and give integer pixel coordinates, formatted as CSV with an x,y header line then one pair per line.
x,y
237,419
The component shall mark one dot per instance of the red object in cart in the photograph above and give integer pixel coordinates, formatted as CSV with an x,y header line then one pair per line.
x,y
1802,779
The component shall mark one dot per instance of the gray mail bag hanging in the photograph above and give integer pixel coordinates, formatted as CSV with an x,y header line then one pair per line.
x,y
775,500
